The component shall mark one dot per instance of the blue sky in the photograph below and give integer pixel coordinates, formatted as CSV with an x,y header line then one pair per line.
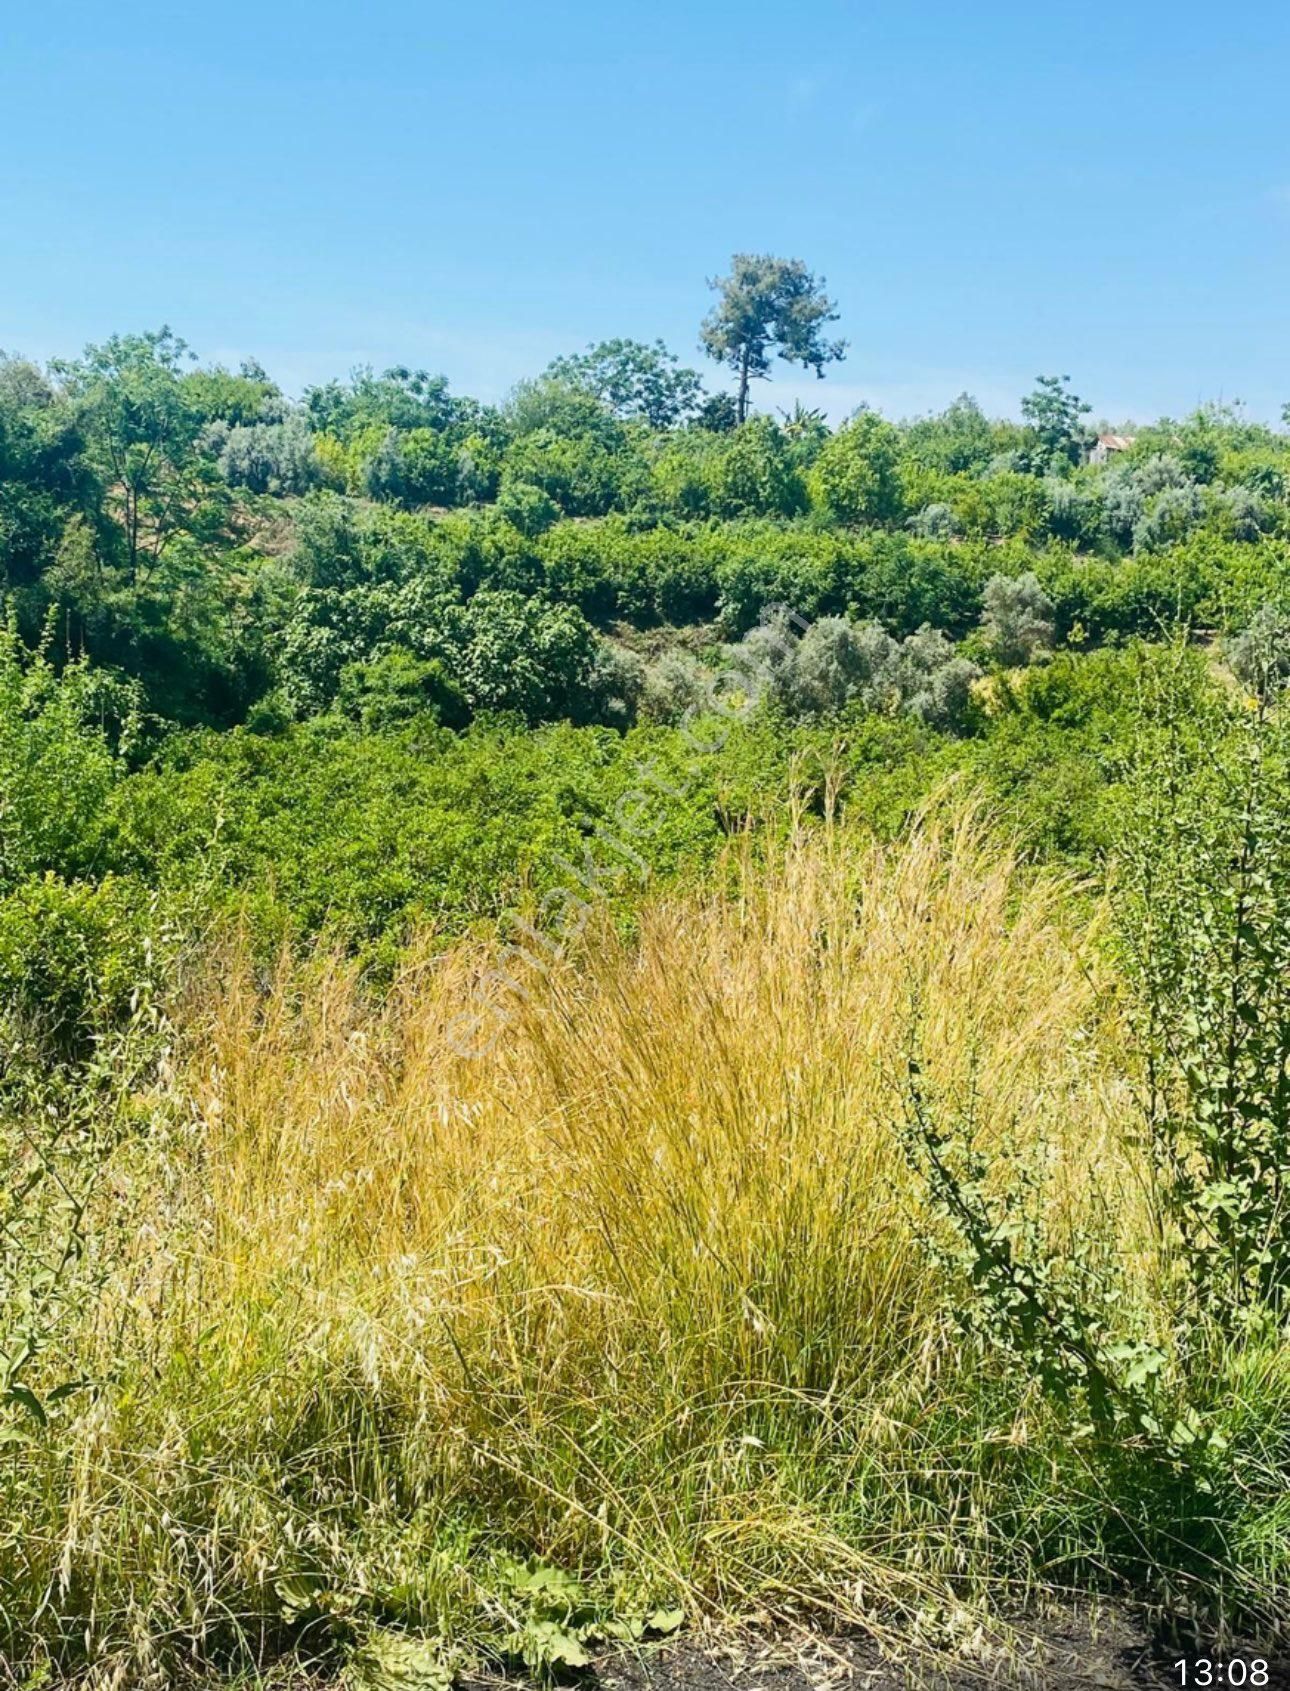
x,y
992,189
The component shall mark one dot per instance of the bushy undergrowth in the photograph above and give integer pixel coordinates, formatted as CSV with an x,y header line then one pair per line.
x,y
365,825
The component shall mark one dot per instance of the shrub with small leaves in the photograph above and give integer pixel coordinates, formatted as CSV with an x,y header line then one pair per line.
x,y
615,684
1260,654
933,522
675,686
1054,1307
1017,617
1171,517
838,661
267,457
935,683
527,507
1242,513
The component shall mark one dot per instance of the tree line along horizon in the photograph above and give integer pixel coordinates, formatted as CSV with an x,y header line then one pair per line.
x,y
230,552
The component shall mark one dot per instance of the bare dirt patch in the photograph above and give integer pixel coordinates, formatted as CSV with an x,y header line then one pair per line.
x,y
1112,1651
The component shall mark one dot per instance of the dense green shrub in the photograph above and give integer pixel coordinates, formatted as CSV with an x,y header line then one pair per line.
x,y
276,458
755,475
62,743
397,688
855,477
583,476
832,663
419,467
1260,653
614,570
527,507
75,955
324,828
528,655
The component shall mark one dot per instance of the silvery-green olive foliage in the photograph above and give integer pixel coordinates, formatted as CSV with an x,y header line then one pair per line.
x,y
615,684
933,682
1260,655
1244,513
1154,503
674,686
1123,504
1017,617
1013,462
764,660
933,522
1075,511
1171,517
1127,491
265,457
836,662
1158,473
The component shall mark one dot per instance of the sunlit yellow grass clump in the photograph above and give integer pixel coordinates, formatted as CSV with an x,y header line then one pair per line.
x,y
642,1291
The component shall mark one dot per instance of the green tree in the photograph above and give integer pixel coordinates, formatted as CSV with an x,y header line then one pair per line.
x,y
755,476
43,480
1055,412
959,438
140,428
58,760
580,473
514,652
718,414
399,687
419,467
856,476
217,395
638,383
768,307
399,398
561,406
527,507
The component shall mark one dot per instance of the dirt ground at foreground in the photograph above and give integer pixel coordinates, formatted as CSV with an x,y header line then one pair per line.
x,y
1112,1653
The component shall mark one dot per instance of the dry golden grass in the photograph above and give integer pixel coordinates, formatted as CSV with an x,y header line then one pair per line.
x,y
687,1135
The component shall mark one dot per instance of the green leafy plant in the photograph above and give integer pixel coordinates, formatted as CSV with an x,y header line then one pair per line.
x,y
1056,1307
561,1623
1204,899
